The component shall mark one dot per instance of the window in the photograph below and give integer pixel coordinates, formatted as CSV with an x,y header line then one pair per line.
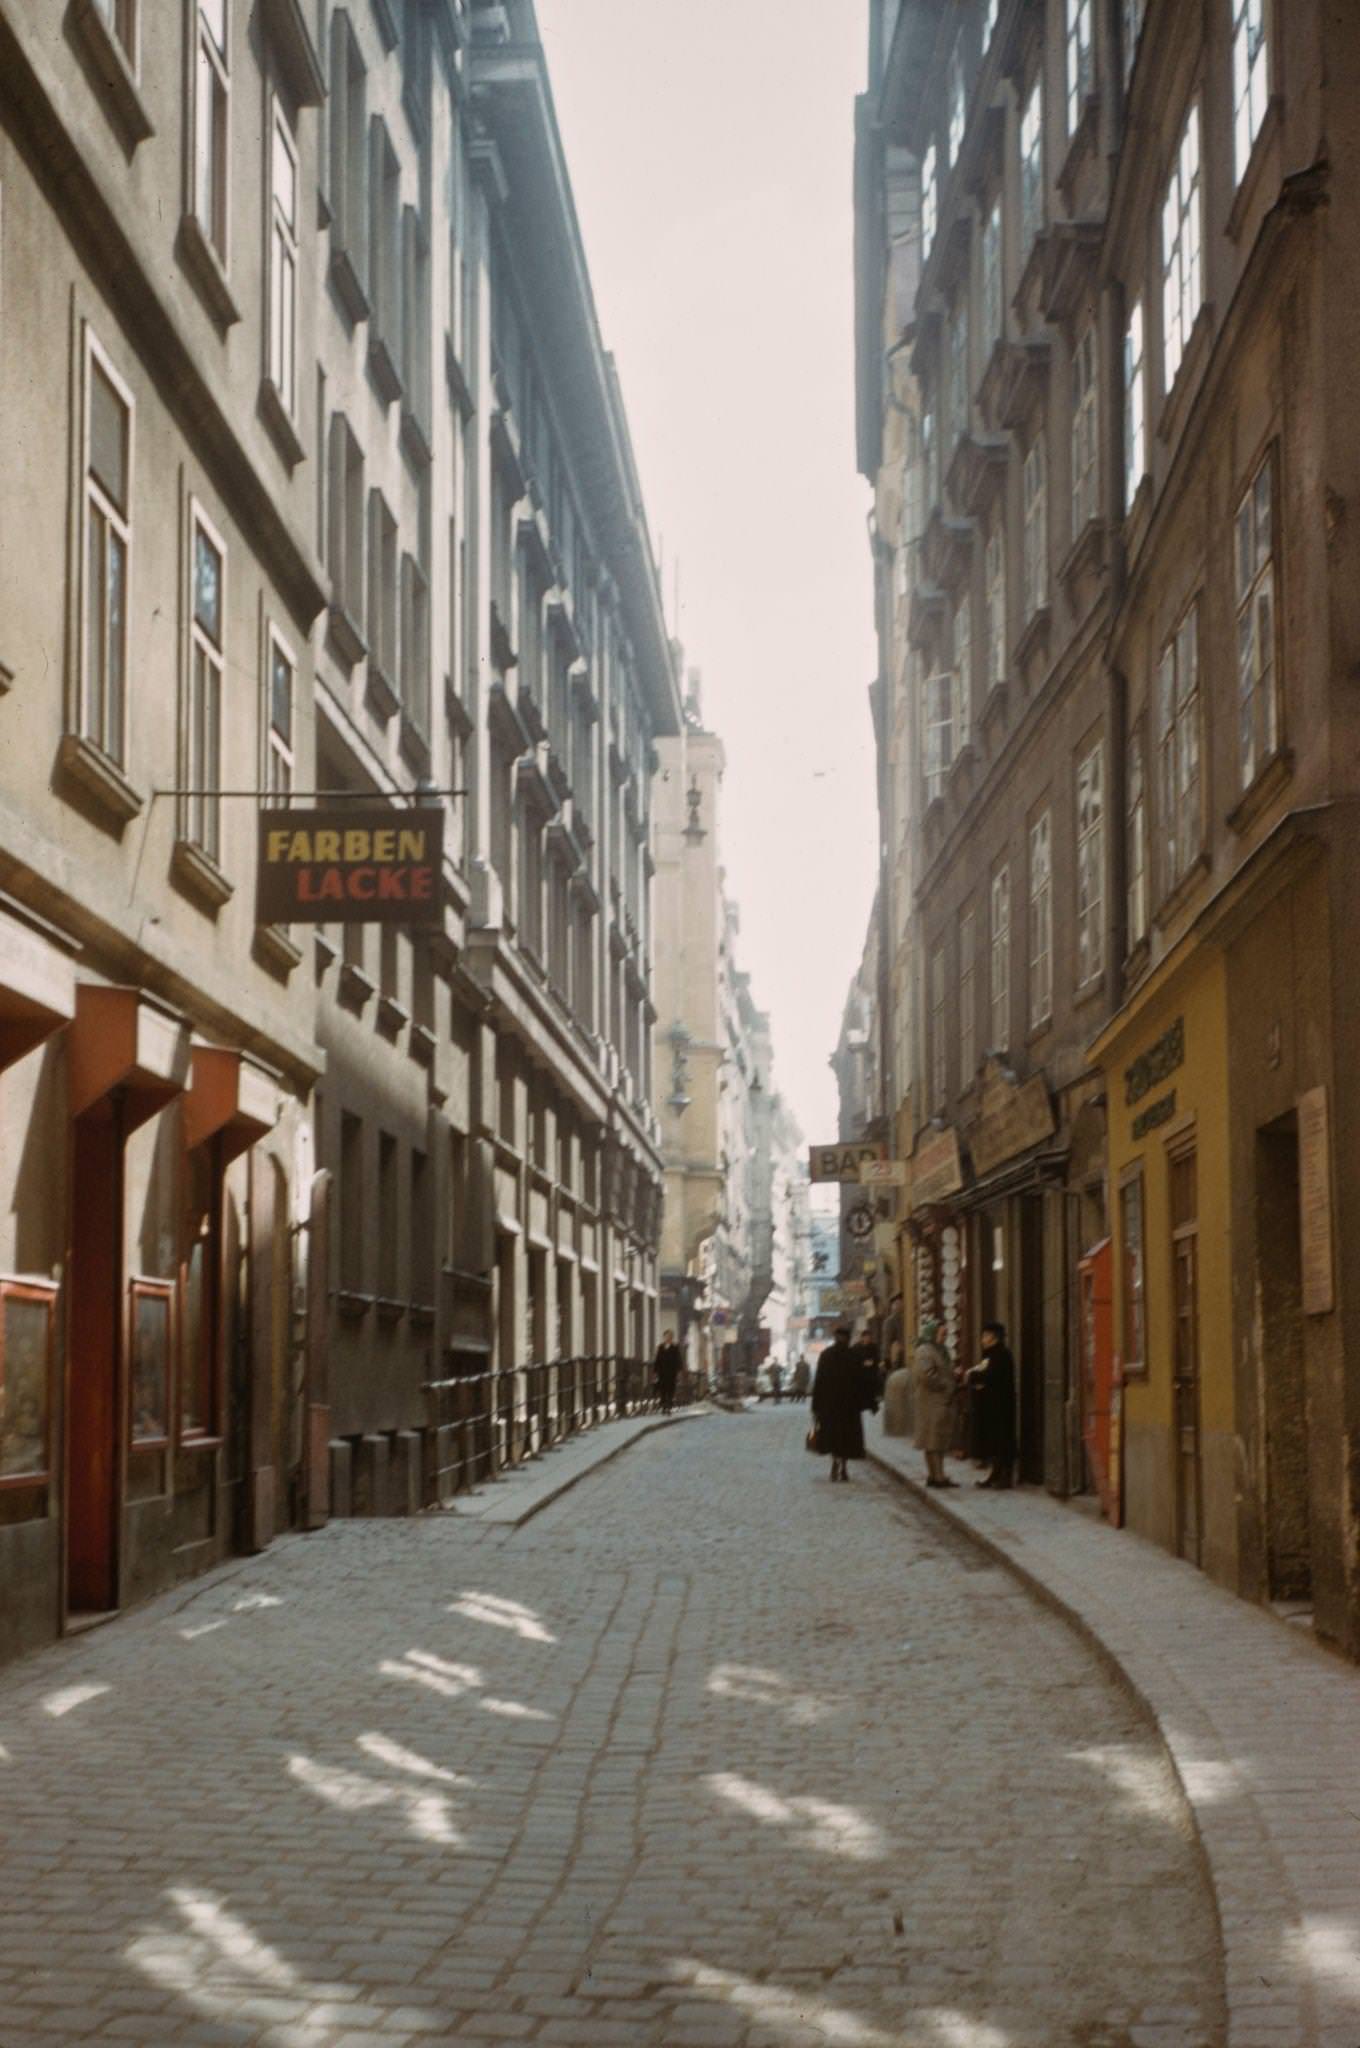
x,y
1001,960
1081,63
422,1231
991,273
1036,526
930,200
939,1044
1134,11
384,241
382,588
345,519
1178,745
415,644
1137,843
107,543
415,320
211,104
348,113
939,732
930,460
389,1237
531,880
27,1313
199,1405
958,100
995,573
963,673
956,393
989,14
967,997
1257,695
1084,502
1182,273
1251,82
1031,167
121,16
204,723
1135,405
279,761
1091,866
1041,919
149,1323
1133,1357
283,259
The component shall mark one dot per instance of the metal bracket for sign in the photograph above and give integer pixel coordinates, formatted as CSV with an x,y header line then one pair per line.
x,y
279,799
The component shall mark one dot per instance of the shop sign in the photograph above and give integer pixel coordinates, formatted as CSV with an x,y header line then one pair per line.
x,y
1315,1203
859,1222
843,1162
883,1173
1012,1116
1159,1112
1156,1064
936,1168
368,864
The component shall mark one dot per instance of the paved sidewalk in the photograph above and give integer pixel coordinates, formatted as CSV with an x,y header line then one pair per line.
x,y
523,1490
1262,1725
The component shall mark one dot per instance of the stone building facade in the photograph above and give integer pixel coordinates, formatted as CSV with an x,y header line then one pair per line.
x,y
1129,630
327,486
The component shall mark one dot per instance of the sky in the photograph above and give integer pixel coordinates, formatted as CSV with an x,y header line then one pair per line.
x,y
710,149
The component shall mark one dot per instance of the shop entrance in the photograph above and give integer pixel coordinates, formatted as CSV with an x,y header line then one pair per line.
x,y
1031,1356
93,1398
1184,1179
1279,1255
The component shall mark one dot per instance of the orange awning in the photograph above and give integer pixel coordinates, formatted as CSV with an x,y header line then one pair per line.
x,y
37,985
122,1041
229,1096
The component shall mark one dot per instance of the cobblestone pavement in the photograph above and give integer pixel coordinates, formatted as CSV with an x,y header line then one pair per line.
x,y
711,1754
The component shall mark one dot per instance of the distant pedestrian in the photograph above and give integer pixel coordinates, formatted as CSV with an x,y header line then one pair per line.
x,y
801,1380
934,1402
841,1392
777,1384
992,1381
666,1370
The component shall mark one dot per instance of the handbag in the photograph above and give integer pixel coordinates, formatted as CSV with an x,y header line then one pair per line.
x,y
813,1440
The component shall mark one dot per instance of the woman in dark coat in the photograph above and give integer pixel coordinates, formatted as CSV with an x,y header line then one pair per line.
x,y
841,1392
992,1381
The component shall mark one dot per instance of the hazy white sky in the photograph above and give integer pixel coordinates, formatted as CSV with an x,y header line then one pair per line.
x,y
710,147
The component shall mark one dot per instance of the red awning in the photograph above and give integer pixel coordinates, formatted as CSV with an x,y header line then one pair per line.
x,y
37,985
122,1041
229,1096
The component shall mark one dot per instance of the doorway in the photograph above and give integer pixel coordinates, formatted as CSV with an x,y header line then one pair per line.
x,y
1030,1364
94,1403
1279,1266
1184,1185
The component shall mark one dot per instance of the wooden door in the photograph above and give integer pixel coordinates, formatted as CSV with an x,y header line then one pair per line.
x,y
1185,1364
94,1350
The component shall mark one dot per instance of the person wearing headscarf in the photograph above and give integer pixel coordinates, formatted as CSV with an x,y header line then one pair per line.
x,y
842,1390
934,1401
992,1381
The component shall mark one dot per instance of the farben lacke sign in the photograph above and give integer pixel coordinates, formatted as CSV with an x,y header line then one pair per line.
x,y
370,864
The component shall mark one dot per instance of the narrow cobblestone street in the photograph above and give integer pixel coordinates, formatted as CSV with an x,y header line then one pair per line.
x,y
709,1754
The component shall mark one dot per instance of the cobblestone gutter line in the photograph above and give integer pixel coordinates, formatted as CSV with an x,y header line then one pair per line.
x,y
1263,1729
523,1491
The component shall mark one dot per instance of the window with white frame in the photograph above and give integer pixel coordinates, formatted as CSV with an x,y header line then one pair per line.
x,y
1251,78
1134,10
1137,842
930,199
1000,991
992,313
956,389
1084,435
283,262
994,570
203,724
345,518
383,588
1035,484
967,997
938,719
939,1039
963,673
1031,166
958,100
282,692
1091,865
415,644
106,555
1135,404
1081,61
121,17
1182,256
384,238
1178,743
348,123
1257,688
212,104
1041,919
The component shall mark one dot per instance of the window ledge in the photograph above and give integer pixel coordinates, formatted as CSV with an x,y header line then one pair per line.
x,y
381,698
415,438
352,1305
1249,184
1137,960
354,987
387,23
1137,517
1177,897
275,949
1039,1030
121,97
280,423
1081,145
325,950
206,272
199,876
456,377
1266,786
421,1315
1086,992
392,1016
1034,636
345,635
1086,552
993,704
415,747
390,1310
348,285
421,1044
99,775
382,370
1178,400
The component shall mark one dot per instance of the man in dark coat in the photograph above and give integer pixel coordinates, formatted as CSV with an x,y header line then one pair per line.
x,y
666,1368
843,1388
992,1381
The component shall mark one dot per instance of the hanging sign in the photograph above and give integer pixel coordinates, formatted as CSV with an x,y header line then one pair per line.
x,y
358,863
842,1162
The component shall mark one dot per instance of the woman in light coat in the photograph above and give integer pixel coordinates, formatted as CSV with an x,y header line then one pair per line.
x,y
934,1402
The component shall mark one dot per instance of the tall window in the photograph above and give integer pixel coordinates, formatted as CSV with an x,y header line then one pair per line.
x,y
991,273
967,997
1135,404
995,571
939,1043
348,120
384,238
930,199
1036,525
382,588
415,644
121,16
108,533
212,100
939,731
1182,266
1134,11
1001,960
283,260
345,518
1137,842
1178,713
1041,919
958,100
1251,81
956,394
205,690
1084,505
1081,62
279,763
963,672
1258,710
1031,166
1090,865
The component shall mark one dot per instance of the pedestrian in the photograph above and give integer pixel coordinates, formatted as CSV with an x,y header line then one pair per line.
x,y
666,1370
777,1383
934,1402
841,1391
801,1379
866,1351
992,1381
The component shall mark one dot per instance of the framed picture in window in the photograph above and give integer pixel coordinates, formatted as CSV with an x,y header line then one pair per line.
x,y
149,1354
27,1314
